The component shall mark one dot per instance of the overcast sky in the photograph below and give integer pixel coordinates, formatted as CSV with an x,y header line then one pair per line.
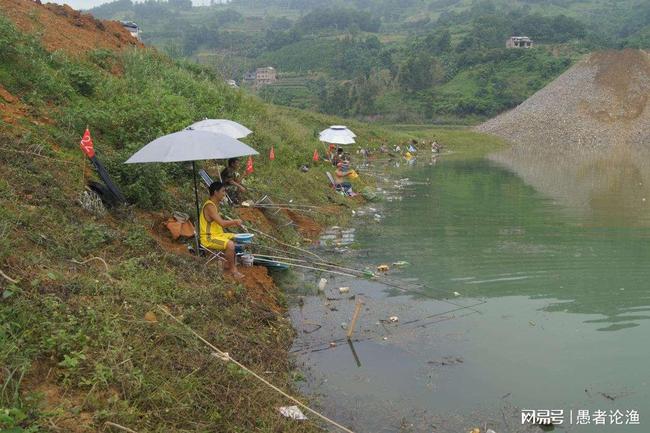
x,y
87,4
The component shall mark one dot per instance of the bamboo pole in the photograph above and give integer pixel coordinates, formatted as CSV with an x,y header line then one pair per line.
x,y
355,316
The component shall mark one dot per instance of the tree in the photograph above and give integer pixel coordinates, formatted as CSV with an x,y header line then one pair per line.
x,y
420,72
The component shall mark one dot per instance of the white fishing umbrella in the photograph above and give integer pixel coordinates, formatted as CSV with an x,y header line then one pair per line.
x,y
345,128
337,134
191,145
222,126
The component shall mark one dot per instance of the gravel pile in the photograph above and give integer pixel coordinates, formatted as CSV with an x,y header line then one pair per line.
x,y
600,102
584,140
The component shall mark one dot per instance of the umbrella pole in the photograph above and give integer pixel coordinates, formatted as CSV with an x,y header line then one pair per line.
x,y
198,217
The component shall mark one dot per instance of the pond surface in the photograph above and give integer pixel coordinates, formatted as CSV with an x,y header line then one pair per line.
x,y
511,300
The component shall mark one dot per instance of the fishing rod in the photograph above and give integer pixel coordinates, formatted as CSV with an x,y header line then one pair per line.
x,y
260,203
275,206
284,243
370,275
402,330
387,283
340,268
311,268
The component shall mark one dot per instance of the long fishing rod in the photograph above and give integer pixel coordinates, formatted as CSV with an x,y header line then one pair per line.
x,y
364,274
348,274
331,265
284,243
325,346
312,268
293,209
296,205
374,277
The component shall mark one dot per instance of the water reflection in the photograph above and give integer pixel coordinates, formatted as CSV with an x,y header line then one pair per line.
x,y
556,262
609,187
565,232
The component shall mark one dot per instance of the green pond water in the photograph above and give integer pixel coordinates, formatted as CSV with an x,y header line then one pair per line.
x,y
513,300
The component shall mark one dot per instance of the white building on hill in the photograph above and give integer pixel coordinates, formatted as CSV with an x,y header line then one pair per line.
x,y
519,42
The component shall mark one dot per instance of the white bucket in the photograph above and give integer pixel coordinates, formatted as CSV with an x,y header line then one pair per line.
x,y
247,259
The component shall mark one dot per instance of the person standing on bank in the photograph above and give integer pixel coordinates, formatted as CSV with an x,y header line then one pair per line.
x,y
211,227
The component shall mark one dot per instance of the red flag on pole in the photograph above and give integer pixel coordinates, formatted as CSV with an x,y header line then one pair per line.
x,y
315,157
86,144
249,165
272,154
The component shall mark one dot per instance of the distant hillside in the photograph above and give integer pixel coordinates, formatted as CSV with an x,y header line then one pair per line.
x,y
421,61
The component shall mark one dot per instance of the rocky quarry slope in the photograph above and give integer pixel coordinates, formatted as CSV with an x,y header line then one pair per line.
x,y
600,102
584,140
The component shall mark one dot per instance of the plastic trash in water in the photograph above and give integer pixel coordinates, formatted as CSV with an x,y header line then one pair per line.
x,y
393,319
401,263
383,268
344,289
456,294
322,283
292,412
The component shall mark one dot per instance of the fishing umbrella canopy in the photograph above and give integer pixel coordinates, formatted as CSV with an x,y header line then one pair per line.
x,y
222,126
191,145
345,128
337,134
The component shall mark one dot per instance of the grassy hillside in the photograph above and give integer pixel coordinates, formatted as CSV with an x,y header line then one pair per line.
x,y
77,346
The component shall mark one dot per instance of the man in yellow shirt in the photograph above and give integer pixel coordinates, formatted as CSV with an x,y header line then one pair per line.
x,y
211,226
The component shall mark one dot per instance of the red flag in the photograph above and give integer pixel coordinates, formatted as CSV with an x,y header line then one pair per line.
x,y
249,165
86,144
315,157
272,154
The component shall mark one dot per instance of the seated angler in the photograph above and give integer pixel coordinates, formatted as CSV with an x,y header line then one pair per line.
x,y
232,180
212,225
342,173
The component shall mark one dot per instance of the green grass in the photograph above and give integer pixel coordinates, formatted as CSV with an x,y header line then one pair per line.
x,y
461,141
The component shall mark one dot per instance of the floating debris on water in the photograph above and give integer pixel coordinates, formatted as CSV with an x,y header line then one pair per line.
x,y
447,360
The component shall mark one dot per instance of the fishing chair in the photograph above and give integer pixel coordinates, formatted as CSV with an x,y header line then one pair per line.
x,y
212,254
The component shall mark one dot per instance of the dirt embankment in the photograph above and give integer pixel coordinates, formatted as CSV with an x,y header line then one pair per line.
x,y
260,286
11,109
63,28
599,103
